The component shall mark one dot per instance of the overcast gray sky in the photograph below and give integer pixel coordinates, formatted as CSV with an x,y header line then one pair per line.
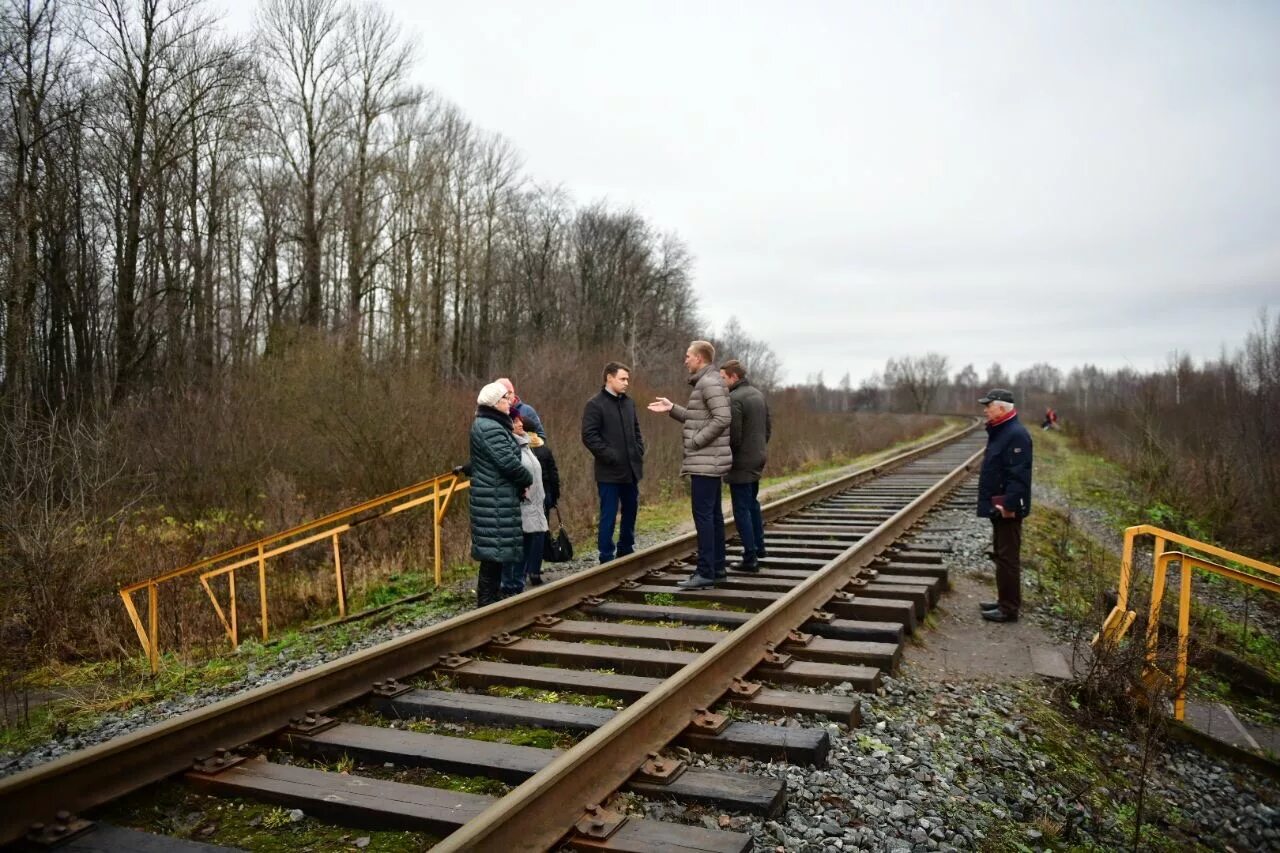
x,y
1012,181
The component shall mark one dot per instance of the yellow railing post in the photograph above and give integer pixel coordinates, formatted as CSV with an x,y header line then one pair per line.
x,y
436,548
1184,640
337,571
235,625
1161,567
153,621
262,589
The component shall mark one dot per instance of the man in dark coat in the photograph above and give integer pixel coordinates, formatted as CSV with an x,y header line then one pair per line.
x,y
611,431
1004,496
749,434
498,478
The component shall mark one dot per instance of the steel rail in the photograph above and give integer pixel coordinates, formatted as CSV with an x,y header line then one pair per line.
x,y
107,771
536,814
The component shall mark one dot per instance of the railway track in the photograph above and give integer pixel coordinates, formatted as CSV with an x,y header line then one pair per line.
x,y
846,578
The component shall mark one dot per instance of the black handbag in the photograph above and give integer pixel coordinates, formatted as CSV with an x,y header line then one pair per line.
x,y
556,547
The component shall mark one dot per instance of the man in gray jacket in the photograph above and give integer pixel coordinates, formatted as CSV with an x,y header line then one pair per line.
x,y
707,457
749,435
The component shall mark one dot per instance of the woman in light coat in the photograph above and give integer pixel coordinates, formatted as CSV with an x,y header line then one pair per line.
x,y
533,516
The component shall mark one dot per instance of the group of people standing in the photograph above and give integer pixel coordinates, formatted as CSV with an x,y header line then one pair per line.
x,y
726,427
514,484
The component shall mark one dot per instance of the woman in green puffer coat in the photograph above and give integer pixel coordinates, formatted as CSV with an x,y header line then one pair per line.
x,y
498,479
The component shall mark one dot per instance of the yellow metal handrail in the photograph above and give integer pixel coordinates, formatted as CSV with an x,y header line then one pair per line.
x,y
438,491
1121,617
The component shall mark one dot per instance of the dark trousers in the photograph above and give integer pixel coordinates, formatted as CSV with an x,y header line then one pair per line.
x,y
1006,538
513,574
488,583
746,512
708,519
533,554
613,496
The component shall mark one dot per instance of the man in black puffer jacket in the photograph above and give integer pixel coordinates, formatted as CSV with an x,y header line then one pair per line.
x,y
749,434
1004,496
498,478
611,431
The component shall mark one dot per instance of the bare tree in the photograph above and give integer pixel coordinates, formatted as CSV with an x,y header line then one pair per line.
x,y
757,356
33,65
919,377
378,65
300,42
149,51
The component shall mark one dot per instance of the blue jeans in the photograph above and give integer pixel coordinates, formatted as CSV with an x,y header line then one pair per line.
x,y
746,512
611,496
708,519
512,579
533,554
513,574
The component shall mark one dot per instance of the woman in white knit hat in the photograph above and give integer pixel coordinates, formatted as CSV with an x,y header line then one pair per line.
x,y
498,480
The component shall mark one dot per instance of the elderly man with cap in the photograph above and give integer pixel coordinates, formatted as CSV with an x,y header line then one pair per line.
x,y
526,412
1004,496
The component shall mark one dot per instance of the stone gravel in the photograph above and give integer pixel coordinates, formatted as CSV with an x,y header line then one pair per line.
x,y
935,766
955,767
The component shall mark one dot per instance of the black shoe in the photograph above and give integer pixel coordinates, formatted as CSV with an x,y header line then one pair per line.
x,y
999,616
989,605
533,580
745,568
760,554
696,581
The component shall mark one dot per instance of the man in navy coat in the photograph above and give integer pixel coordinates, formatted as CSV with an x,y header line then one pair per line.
x,y
1004,496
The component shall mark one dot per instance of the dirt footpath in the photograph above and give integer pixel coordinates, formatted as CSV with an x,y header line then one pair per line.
x,y
962,646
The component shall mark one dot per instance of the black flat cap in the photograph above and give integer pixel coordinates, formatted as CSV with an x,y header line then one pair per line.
x,y
1002,394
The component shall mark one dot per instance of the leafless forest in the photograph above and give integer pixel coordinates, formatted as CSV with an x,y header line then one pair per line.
x,y
246,282
180,205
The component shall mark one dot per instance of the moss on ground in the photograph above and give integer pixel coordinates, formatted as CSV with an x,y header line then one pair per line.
x,y
178,811
89,690
557,696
